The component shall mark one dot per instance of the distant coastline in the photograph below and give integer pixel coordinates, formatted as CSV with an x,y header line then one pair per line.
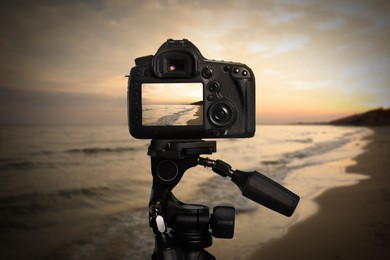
x,y
198,103
375,117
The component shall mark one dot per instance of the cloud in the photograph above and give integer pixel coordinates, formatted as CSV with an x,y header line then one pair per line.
x,y
48,107
281,16
331,24
375,12
305,85
287,44
290,43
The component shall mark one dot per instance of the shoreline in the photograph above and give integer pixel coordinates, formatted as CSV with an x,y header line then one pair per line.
x,y
198,117
352,222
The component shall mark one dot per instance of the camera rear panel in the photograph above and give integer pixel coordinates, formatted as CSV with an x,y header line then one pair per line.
x,y
178,94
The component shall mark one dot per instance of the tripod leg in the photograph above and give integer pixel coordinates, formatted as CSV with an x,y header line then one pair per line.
x,y
199,255
166,248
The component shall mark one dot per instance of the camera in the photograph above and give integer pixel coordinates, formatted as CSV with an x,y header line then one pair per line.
x,y
178,94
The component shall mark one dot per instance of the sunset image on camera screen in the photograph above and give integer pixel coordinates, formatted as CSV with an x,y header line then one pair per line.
x,y
172,104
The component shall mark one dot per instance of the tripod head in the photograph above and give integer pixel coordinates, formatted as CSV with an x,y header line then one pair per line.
x,y
189,224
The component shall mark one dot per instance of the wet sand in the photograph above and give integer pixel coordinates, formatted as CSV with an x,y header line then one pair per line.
x,y
198,120
353,222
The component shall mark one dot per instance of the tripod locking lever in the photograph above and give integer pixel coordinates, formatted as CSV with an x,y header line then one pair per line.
x,y
156,219
218,166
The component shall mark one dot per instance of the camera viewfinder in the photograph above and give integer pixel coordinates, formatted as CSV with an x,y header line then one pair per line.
x,y
174,65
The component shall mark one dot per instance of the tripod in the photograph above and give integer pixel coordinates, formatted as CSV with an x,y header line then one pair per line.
x,y
181,230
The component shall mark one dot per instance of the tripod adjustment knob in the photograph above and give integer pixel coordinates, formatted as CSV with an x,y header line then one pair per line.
x,y
222,222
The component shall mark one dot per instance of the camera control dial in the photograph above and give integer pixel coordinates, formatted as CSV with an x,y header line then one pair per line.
x,y
221,113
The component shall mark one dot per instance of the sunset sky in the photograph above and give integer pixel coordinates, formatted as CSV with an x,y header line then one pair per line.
x,y
171,93
64,62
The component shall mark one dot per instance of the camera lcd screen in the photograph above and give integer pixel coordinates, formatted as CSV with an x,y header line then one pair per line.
x,y
172,104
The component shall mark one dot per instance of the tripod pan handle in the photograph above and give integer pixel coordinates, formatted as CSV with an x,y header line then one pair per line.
x,y
263,190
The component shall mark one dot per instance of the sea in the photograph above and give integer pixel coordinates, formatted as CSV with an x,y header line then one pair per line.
x,y
168,115
81,192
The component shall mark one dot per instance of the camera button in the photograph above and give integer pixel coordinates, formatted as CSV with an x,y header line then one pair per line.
x,y
207,73
221,114
213,86
210,97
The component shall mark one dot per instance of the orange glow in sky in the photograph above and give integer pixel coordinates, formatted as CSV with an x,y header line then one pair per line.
x,y
314,60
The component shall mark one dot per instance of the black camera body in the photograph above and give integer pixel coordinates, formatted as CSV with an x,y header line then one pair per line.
x,y
178,94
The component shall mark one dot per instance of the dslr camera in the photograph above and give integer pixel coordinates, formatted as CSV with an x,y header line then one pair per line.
x,y
178,94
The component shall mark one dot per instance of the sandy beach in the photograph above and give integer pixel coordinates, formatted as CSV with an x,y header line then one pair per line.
x,y
198,117
353,222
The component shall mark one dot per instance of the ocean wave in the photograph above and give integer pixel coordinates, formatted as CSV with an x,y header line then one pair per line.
x,y
278,169
218,191
18,211
316,149
127,230
43,152
272,162
168,115
98,150
171,119
22,165
34,159
16,165
8,225
32,203
304,140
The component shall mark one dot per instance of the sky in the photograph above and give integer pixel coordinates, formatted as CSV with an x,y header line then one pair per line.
x,y
171,93
64,62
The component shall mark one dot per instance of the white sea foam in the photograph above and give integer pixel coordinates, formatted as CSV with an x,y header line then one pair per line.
x,y
168,115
